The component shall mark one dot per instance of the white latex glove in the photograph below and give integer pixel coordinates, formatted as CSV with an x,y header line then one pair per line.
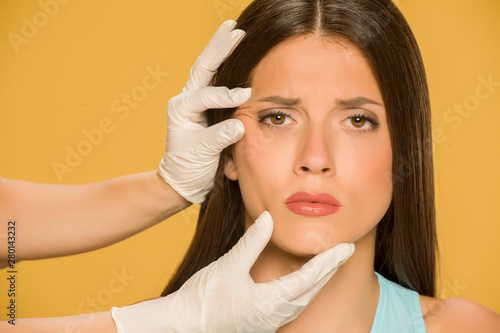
x,y
222,297
192,151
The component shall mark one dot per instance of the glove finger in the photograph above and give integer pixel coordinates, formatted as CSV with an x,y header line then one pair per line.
x,y
285,308
192,105
249,247
220,46
289,295
221,135
301,286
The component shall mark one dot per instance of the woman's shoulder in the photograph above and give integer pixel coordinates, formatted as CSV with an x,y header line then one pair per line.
x,y
458,315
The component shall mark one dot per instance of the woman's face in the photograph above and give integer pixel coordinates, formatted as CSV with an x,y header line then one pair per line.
x,y
316,153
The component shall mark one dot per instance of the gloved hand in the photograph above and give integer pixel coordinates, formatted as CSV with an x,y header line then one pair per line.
x,y
222,297
192,151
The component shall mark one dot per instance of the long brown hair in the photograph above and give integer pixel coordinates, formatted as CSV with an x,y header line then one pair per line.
x,y
406,244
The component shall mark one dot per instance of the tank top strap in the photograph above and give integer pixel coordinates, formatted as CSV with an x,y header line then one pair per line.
x,y
398,309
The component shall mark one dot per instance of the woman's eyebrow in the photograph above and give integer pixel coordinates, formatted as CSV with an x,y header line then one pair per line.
x,y
352,102
356,101
281,100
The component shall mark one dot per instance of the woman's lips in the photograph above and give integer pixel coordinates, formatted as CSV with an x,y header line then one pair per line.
x,y
317,204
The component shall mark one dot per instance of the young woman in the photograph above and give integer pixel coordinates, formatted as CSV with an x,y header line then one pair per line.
x,y
339,102
188,166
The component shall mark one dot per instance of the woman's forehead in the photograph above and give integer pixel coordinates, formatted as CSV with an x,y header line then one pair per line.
x,y
315,65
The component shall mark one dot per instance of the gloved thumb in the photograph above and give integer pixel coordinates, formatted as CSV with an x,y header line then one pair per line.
x,y
221,135
247,250
302,285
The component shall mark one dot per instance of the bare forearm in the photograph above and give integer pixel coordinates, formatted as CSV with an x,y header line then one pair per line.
x,y
100,322
55,220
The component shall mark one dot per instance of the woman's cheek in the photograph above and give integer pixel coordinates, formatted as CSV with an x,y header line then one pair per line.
x,y
264,160
261,144
366,181
251,146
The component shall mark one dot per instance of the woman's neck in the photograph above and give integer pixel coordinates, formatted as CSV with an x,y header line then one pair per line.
x,y
347,302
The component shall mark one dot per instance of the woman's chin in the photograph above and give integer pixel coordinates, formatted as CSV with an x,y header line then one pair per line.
x,y
305,245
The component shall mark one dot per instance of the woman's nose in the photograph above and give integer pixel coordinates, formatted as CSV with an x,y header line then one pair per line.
x,y
315,154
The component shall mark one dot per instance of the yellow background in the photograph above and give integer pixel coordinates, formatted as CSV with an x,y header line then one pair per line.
x,y
64,78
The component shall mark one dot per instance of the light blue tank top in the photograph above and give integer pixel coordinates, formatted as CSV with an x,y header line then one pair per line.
x,y
398,309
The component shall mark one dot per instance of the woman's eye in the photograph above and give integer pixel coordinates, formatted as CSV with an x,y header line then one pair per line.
x,y
361,123
358,122
276,119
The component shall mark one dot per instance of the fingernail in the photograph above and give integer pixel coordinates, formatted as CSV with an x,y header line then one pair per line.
x,y
238,34
264,219
243,93
240,127
230,23
237,130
